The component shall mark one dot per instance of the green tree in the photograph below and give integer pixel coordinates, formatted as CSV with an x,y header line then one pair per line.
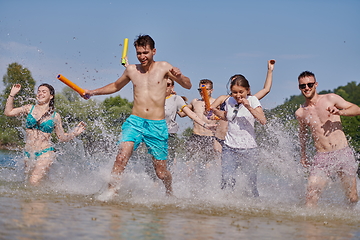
x,y
74,110
187,132
116,110
70,94
351,93
15,74
103,119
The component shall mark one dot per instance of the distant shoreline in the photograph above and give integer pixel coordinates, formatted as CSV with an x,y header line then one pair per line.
x,y
9,147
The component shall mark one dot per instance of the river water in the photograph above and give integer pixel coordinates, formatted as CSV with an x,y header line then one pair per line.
x,y
64,206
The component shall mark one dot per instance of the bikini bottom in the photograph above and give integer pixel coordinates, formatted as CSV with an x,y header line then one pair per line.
x,y
39,153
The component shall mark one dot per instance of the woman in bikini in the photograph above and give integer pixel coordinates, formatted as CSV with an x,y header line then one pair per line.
x,y
41,121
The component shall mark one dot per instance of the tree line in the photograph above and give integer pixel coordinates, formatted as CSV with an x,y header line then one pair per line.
x,y
104,118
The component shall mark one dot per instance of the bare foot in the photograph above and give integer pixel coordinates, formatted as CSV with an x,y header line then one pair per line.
x,y
106,195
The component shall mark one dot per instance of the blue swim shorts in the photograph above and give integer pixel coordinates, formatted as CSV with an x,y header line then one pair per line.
x,y
154,133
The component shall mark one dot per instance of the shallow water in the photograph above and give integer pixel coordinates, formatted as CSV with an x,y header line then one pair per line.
x,y
65,204
58,216
35,218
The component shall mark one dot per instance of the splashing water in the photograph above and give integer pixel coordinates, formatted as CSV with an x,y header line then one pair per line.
x,y
281,180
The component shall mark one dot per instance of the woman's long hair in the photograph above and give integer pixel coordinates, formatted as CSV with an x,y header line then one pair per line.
x,y
239,80
51,103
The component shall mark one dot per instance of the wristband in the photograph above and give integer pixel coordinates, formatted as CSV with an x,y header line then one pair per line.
x,y
11,95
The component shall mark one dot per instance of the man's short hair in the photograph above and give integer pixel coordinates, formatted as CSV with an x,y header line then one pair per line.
x,y
143,41
306,74
206,81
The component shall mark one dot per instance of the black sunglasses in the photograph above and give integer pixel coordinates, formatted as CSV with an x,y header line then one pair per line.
x,y
169,84
200,89
303,86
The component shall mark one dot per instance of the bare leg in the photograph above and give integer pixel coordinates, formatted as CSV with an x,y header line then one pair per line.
x,y
122,158
314,189
27,165
218,150
42,166
163,174
349,185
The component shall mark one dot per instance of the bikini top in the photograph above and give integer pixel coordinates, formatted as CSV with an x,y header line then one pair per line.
x,y
46,126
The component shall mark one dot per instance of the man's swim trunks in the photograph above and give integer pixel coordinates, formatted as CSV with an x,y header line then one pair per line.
x,y
200,148
331,163
154,133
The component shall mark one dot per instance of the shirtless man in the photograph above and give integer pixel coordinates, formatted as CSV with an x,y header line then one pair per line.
x,y
146,122
321,113
202,141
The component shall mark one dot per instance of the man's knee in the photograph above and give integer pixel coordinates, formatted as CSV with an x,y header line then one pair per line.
x,y
124,153
120,158
313,191
315,187
161,169
162,173
354,198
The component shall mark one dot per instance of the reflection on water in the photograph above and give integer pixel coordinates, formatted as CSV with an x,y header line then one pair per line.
x,y
34,212
64,205
75,217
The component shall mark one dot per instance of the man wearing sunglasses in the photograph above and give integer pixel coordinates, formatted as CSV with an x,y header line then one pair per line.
x,y
333,158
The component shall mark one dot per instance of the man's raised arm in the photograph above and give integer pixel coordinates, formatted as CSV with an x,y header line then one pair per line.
x,y
177,76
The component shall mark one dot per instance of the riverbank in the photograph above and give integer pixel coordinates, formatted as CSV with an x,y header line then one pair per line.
x,y
10,147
